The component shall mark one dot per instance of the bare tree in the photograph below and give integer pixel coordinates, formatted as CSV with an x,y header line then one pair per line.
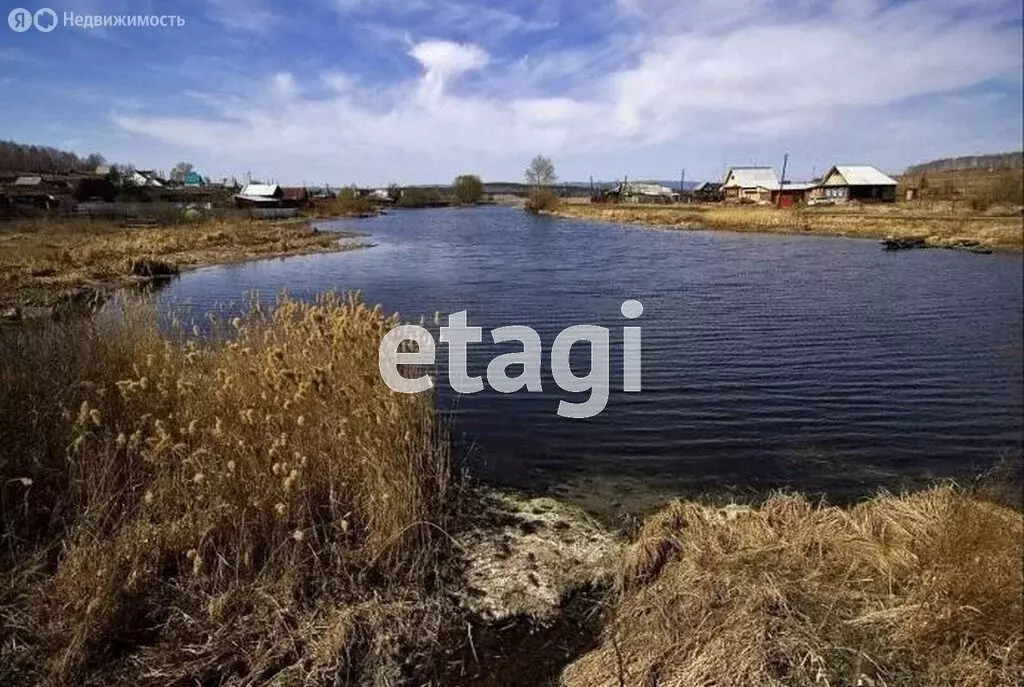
x,y
541,172
540,175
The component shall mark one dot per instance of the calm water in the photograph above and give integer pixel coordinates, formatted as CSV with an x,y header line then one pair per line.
x,y
825,364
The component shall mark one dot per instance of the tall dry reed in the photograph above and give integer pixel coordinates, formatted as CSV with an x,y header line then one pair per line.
x,y
217,508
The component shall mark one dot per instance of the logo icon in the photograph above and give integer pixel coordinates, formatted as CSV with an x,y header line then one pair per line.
x,y
20,19
45,20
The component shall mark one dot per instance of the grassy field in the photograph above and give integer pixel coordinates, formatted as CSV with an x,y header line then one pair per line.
x,y
251,505
43,260
940,224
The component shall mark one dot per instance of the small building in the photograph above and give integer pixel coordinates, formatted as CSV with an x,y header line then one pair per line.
x,y
40,191
193,179
259,195
792,193
294,196
750,185
858,183
708,192
636,193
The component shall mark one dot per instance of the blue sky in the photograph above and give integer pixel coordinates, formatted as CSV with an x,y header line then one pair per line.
x,y
417,91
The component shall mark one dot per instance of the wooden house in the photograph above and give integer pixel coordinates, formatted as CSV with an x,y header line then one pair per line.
x,y
858,183
750,185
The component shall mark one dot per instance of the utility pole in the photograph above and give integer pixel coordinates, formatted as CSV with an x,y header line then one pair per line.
x,y
782,181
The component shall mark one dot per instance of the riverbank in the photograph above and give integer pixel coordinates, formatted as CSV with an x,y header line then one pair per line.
x,y
256,507
47,262
937,225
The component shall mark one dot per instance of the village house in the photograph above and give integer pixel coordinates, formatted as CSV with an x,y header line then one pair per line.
x,y
861,183
708,192
750,185
630,192
193,179
58,191
34,191
259,195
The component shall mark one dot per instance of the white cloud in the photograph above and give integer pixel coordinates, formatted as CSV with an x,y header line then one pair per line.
x,y
442,62
673,78
250,16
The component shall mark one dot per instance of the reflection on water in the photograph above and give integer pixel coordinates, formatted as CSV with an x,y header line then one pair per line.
x,y
823,364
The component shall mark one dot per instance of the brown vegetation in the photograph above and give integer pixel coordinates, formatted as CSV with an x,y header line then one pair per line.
x,y
939,224
924,589
42,259
219,510
542,199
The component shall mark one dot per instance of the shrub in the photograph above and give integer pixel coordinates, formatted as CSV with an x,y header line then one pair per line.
x,y
349,202
467,189
416,197
542,200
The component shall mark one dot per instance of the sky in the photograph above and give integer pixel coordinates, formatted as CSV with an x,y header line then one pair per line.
x,y
416,91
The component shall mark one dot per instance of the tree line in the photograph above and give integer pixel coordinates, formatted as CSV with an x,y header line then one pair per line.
x,y
22,157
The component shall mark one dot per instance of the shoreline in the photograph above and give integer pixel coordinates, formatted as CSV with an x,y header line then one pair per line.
x,y
996,233
66,269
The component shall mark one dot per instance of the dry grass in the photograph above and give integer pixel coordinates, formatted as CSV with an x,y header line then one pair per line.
x,y
42,259
924,589
939,224
224,510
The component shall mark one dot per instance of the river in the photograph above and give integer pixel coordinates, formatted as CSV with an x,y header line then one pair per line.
x,y
822,364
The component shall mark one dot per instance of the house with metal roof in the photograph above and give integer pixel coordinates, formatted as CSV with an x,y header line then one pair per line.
x,y
260,195
193,179
861,183
750,185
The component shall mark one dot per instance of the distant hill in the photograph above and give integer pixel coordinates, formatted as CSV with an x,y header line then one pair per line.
x,y
998,161
981,180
